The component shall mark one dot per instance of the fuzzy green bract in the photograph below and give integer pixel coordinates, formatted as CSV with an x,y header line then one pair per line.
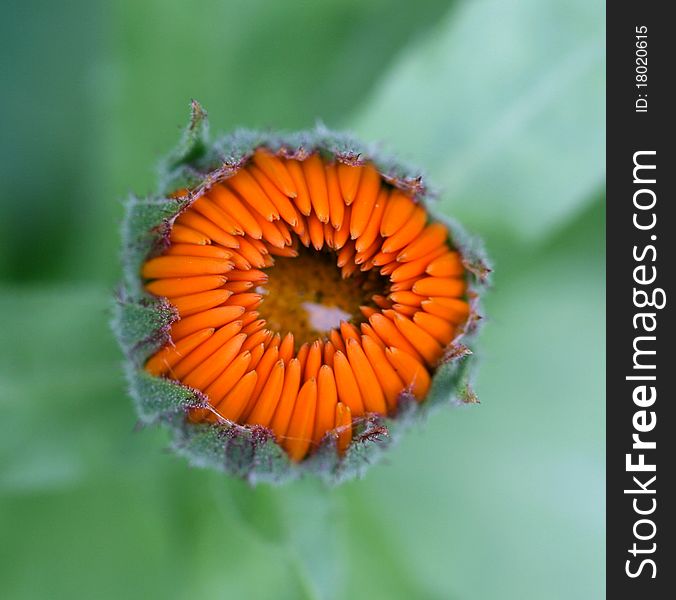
x,y
141,322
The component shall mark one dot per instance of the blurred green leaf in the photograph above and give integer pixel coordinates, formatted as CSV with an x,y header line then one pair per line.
x,y
503,104
49,132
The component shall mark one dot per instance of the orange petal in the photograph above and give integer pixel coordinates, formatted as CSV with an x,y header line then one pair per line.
x,y
276,340
276,170
255,338
254,327
452,309
271,234
348,330
336,202
163,360
208,371
328,235
405,309
348,388
198,250
417,267
214,317
372,231
440,286
286,251
238,287
364,255
254,275
247,300
248,189
202,352
287,400
408,232
345,255
256,355
364,203
210,210
403,285
182,286
343,232
440,329
398,211
413,373
304,238
266,403
302,199
446,265
343,427
302,355
264,369
283,228
231,375
299,227
280,201
348,178
299,434
337,341
260,245
387,376
207,227
313,361
184,266
249,317
251,253
228,201
316,229
329,351
238,259
388,332
368,331
381,301
286,348
389,268
194,303
407,297
384,258
327,396
348,270
315,175
236,401
371,391
185,235
431,238
422,341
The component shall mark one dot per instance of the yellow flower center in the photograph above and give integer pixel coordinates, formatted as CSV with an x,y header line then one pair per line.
x,y
308,297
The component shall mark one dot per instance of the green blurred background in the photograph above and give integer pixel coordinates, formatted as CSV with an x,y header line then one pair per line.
x,y
502,102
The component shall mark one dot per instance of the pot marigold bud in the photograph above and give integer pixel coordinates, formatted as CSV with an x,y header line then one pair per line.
x,y
291,301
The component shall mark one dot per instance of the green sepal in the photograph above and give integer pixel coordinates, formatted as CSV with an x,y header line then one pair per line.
x,y
159,399
142,326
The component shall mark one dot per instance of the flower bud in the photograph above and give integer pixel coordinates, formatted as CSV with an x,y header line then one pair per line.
x,y
290,302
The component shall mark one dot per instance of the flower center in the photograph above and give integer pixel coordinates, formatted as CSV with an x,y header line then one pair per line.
x,y
307,295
